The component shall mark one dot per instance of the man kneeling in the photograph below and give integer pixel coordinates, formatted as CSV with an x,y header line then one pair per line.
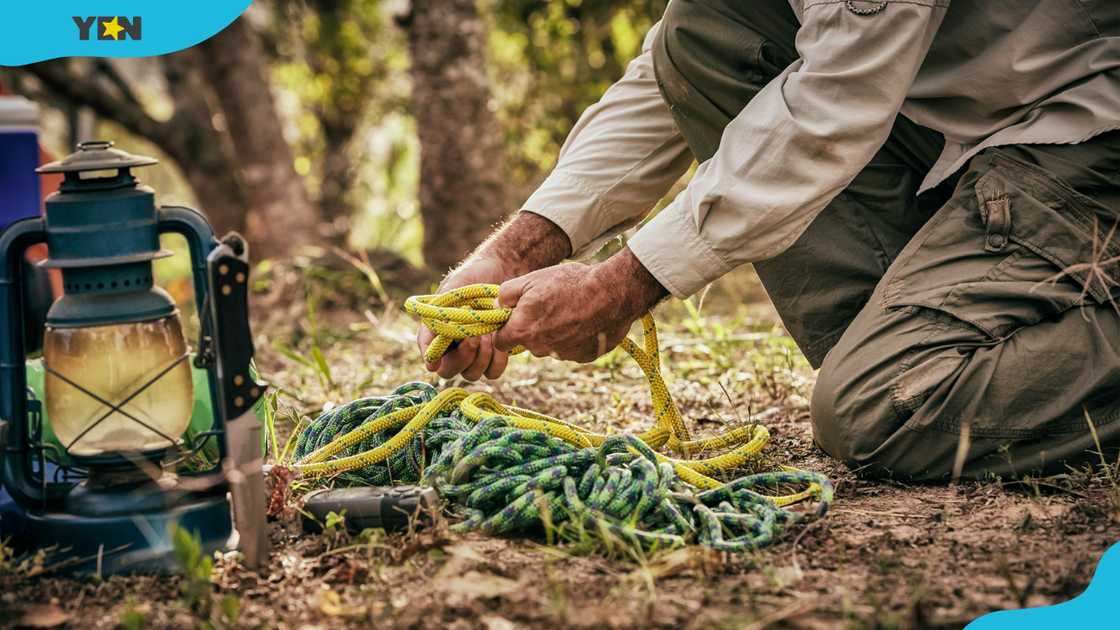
x,y
928,192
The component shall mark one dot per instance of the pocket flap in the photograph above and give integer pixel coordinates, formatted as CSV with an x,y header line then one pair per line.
x,y
1075,234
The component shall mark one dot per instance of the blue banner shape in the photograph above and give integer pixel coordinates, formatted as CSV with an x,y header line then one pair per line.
x,y
1095,608
38,31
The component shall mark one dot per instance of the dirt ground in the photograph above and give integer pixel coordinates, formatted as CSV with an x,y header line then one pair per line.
x,y
888,555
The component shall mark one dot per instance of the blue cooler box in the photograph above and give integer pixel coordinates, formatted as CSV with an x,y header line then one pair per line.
x,y
20,198
19,156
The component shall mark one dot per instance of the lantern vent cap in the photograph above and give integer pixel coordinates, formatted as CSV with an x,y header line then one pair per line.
x,y
96,155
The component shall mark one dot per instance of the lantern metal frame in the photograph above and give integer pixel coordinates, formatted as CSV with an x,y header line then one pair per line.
x,y
129,529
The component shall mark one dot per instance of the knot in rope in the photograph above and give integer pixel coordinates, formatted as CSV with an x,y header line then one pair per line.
x,y
470,311
473,310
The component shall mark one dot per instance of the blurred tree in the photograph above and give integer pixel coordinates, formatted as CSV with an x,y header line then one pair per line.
x,y
556,58
223,131
463,174
282,218
346,64
349,72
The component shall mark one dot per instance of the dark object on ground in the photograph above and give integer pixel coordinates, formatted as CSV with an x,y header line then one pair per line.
x,y
365,507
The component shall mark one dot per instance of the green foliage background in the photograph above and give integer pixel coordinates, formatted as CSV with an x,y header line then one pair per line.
x,y
555,59
345,62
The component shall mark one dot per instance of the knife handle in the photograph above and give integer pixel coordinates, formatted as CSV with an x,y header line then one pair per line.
x,y
228,272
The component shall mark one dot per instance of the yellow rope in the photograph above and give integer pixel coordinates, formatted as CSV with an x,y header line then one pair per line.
x,y
472,311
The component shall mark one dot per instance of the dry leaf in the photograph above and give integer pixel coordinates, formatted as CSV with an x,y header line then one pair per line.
x,y
472,585
496,622
331,604
466,551
43,616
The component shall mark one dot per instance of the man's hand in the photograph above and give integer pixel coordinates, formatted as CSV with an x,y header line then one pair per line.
x,y
475,356
526,243
575,311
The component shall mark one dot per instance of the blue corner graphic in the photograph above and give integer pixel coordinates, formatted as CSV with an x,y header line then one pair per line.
x,y
38,31
1095,608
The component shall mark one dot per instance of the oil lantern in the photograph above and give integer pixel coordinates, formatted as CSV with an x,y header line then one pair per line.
x,y
101,460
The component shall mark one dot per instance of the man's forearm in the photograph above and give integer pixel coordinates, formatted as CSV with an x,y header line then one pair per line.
x,y
637,289
527,242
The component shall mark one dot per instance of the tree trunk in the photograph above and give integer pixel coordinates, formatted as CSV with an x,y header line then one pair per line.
x,y
462,171
336,193
203,153
347,58
281,217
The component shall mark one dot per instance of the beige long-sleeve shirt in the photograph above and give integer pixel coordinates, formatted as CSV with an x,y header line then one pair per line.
x,y
982,73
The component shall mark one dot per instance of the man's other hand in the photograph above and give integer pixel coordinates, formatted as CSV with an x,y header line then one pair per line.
x,y
528,242
475,356
574,311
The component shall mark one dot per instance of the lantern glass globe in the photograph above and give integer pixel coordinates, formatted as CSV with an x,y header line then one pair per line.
x,y
114,362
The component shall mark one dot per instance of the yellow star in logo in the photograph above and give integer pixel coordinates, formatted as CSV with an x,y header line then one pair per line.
x,y
113,28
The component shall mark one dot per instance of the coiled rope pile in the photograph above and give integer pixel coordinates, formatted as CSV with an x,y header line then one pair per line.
x,y
512,469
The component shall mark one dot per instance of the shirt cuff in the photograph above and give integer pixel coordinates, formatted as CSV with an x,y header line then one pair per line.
x,y
579,212
563,200
670,248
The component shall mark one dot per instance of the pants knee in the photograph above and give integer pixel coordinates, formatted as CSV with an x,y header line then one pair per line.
x,y
828,424
855,422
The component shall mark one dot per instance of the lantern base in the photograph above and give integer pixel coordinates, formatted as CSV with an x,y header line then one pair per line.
x,y
108,545
125,490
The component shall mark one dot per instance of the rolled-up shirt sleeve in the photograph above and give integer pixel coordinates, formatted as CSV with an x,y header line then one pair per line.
x,y
796,145
622,156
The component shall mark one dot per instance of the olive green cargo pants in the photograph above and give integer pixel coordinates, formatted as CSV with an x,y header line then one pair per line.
x,y
971,329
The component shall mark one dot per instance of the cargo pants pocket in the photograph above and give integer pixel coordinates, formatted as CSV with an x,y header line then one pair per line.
x,y
1014,247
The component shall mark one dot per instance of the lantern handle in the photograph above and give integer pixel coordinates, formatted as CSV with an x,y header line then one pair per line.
x,y
16,474
192,226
